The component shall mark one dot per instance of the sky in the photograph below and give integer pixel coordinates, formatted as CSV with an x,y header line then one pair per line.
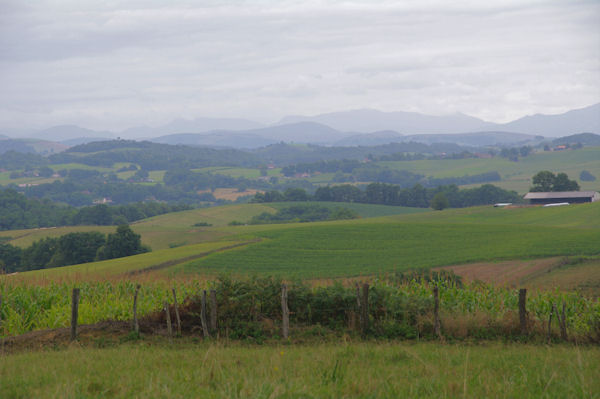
x,y
116,64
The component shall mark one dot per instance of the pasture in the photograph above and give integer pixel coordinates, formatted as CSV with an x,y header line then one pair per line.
x,y
324,370
515,175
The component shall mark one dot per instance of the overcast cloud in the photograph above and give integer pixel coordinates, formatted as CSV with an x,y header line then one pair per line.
x,y
112,65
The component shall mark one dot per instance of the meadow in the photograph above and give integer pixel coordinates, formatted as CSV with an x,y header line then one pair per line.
x,y
515,175
323,370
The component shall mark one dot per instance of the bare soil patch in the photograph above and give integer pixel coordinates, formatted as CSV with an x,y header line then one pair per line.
x,y
230,194
510,273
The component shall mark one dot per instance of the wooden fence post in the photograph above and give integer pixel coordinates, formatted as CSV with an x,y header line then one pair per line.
x,y
74,313
550,324
523,310
203,316
136,324
285,312
213,311
168,314
563,323
177,313
364,309
437,325
358,308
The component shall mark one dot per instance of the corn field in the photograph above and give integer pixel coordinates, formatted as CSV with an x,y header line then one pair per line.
x,y
397,309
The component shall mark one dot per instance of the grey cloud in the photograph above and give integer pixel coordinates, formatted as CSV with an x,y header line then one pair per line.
x,y
126,63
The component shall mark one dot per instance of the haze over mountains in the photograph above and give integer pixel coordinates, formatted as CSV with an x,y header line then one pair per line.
x,y
346,128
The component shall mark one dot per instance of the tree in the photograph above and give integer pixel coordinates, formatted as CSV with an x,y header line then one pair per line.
x,y
439,202
76,248
546,181
10,258
543,181
562,183
124,242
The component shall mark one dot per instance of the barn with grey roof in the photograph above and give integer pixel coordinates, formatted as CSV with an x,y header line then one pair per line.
x,y
571,197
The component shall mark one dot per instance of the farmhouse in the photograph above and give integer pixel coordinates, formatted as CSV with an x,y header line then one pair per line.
x,y
572,197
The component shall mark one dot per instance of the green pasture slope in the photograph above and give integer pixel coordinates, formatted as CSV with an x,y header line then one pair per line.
x,y
177,228
120,266
515,175
371,246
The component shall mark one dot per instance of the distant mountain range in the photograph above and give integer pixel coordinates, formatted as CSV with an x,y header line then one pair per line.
x,y
370,120
348,128
194,126
576,121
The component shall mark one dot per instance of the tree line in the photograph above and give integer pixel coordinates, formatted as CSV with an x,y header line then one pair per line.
x,y
71,249
304,213
19,212
390,194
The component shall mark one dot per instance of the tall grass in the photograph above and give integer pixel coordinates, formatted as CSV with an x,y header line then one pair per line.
x,y
357,370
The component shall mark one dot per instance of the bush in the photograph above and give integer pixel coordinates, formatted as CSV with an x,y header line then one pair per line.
x,y
586,176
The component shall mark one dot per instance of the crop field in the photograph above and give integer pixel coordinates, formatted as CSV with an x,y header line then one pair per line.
x,y
583,276
346,249
306,371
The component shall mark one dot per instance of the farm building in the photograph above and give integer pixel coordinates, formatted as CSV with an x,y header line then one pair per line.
x,y
572,197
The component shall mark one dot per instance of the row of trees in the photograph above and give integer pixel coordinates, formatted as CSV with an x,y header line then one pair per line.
x,y
304,213
19,212
355,171
390,194
71,249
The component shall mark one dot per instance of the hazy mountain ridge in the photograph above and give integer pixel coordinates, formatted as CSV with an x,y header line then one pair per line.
x,y
411,123
197,125
370,120
572,122
583,138
360,127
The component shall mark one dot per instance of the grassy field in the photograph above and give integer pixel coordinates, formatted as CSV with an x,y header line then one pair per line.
x,y
177,228
341,370
515,175
579,216
105,270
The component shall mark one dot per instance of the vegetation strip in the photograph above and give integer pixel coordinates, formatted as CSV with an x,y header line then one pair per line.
x,y
174,262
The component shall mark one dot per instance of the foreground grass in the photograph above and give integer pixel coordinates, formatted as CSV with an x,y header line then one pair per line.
x,y
365,370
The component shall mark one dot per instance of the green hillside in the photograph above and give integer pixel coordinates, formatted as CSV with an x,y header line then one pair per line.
x,y
352,247
515,175
580,215
346,249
